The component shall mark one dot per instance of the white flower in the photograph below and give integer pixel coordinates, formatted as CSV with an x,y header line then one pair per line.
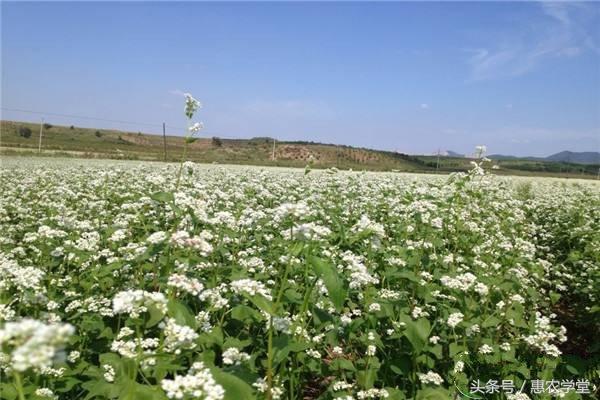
x,y
157,237
431,377
486,349
196,127
233,356
371,350
313,353
198,384
454,319
109,373
73,356
250,287
135,302
178,337
191,105
34,343
45,392
459,366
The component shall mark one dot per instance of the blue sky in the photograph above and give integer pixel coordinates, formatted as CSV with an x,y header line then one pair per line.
x,y
522,78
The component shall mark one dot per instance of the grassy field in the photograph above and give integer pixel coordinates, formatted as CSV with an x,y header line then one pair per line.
x,y
21,138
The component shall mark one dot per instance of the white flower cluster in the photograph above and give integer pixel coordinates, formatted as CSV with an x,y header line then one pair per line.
x,y
178,337
233,356
365,225
461,282
189,285
45,392
197,384
34,343
135,302
430,377
296,210
250,287
454,319
372,393
157,237
307,231
544,335
262,387
359,274
200,242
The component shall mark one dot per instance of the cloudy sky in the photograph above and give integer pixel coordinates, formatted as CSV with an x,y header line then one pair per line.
x,y
522,78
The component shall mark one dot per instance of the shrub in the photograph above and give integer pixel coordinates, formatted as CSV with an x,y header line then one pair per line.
x,y
25,132
99,134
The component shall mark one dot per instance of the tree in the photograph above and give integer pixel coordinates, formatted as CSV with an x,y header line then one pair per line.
x,y
217,142
25,132
99,134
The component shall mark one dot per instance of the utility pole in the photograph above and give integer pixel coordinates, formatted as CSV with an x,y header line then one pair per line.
x,y
41,131
273,154
165,141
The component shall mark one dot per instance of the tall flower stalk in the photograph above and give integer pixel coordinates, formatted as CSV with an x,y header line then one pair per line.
x,y
191,106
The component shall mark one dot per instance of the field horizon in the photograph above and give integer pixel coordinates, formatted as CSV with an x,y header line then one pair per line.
x,y
22,138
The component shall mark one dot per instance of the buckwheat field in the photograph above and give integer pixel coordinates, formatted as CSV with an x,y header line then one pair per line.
x,y
280,284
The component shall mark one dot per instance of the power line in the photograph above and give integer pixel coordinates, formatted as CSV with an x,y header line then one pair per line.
x,y
85,117
104,120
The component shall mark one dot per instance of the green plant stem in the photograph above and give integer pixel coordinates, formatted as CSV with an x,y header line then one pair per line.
x,y
19,386
185,144
270,340
270,360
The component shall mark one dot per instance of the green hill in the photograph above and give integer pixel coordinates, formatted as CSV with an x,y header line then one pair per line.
x,y
23,138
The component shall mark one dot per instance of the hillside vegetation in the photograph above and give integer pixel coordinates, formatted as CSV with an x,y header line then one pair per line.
x,y
22,138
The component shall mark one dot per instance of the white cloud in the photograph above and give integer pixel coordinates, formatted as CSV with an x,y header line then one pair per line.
x,y
424,106
560,33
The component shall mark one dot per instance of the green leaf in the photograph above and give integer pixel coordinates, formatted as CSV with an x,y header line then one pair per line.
x,y
367,378
342,363
332,280
131,390
262,303
163,197
490,321
408,275
244,313
156,316
181,313
235,388
417,332
8,391
433,394
100,389
395,394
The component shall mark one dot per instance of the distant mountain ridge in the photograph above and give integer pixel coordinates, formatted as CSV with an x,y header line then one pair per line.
x,y
584,157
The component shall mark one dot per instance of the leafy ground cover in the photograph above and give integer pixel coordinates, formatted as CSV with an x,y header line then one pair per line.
x,y
125,281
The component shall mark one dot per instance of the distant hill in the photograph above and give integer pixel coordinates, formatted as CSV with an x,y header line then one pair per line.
x,y
585,157
451,153
22,138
